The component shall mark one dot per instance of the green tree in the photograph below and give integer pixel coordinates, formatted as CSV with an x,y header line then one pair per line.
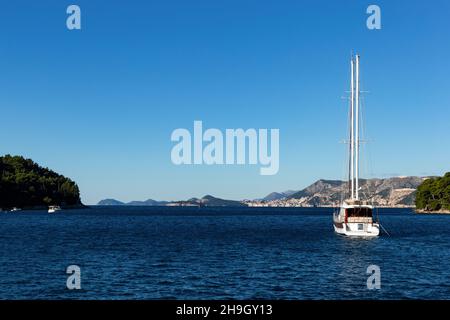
x,y
434,194
23,183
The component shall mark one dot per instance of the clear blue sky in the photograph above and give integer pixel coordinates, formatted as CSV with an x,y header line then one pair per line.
x,y
99,105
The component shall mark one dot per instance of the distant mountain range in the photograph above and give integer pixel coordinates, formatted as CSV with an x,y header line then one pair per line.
x,y
210,201
206,201
396,191
148,202
389,192
110,202
278,195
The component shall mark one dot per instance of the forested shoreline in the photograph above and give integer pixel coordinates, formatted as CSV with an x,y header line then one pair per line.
x,y
433,195
25,184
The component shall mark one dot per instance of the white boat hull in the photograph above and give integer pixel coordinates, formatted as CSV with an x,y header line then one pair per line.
x,y
355,225
53,209
353,230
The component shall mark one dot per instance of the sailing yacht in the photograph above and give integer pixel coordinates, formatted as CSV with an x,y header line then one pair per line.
x,y
355,217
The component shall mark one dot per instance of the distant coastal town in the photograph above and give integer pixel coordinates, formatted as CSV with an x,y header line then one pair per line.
x,y
302,203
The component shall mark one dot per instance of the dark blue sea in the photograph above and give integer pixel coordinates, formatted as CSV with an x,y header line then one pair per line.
x,y
219,253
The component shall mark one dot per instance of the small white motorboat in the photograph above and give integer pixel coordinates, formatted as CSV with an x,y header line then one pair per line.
x,y
53,209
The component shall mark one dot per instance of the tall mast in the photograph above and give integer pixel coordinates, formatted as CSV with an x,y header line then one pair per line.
x,y
352,137
357,128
